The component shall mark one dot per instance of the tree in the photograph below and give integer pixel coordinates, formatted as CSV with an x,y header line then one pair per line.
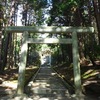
x,y
77,13
96,5
1,26
7,40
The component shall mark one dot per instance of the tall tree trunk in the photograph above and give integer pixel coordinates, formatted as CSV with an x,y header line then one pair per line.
x,y
98,6
1,31
10,52
79,22
7,36
11,45
97,16
77,17
62,53
4,53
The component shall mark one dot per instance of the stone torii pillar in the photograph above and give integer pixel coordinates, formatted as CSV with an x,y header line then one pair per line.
x,y
23,60
76,66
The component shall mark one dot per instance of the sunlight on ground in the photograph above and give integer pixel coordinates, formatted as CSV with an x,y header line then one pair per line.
x,y
53,74
44,99
89,82
10,84
43,84
90,73
13,78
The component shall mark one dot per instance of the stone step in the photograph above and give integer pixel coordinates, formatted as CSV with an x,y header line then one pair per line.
x,y
45,70
49,80
41,73
47,84
48,94
40,80
48,77
43,90
51,97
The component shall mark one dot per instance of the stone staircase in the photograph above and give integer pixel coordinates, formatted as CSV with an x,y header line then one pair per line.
x,y
47,86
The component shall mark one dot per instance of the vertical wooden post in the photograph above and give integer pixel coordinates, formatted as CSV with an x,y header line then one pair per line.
x,y
76,65
22,67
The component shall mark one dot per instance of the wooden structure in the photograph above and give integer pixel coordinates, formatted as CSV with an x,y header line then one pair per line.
x,y
52,30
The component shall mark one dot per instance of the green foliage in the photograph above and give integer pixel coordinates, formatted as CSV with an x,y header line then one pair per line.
x,y
96,53
92,50
62,13
1,16
71,11
37,4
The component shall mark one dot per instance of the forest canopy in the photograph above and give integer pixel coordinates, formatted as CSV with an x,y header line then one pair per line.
x,y
76,13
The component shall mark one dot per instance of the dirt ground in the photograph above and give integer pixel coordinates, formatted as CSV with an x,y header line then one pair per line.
x,y
90,76
8,81
90,79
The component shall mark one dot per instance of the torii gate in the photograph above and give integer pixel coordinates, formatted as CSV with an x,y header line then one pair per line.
x,y
49,29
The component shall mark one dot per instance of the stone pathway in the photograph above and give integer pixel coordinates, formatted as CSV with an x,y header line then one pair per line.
x,y
47,86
